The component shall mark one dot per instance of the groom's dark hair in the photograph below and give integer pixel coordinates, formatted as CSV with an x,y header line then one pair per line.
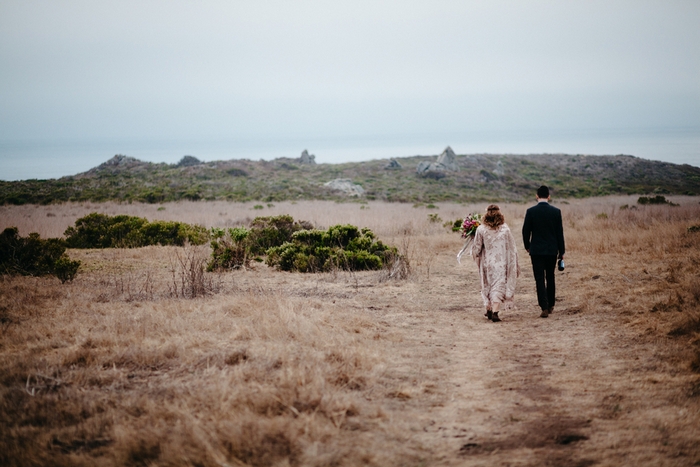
x,y
543,192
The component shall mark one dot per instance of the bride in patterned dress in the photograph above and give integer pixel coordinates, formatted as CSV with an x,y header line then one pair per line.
x,y
496,258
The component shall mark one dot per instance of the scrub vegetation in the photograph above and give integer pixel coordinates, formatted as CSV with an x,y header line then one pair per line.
x,y
297,246
103,231
34,256
482,177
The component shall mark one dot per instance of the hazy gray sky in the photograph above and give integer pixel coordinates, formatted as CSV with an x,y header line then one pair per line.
x,y
198,69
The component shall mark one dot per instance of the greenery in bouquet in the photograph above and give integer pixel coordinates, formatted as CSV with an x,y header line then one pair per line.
x,y
469,225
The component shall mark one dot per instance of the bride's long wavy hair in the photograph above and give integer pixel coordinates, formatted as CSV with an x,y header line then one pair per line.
x,y
494,217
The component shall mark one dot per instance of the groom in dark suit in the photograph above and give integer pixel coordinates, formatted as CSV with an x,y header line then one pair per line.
x,y
543,236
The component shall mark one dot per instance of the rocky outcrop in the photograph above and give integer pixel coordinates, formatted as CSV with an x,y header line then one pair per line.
x,y
431,170
188,161
448,158
345,186
120,160
393,165
307,158
446,162
117,164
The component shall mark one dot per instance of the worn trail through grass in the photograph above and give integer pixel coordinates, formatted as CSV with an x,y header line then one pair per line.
x,y
573,389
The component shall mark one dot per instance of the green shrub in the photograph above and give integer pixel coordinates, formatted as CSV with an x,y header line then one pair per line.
x,y
658,199
32,256
269,231
125,232
89,232
340,247
297,246
65,269
454,226
236,247
102,231
229,249
434,218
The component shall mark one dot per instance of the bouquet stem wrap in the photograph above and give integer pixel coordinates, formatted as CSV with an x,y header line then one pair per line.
x,y
467,246
468,230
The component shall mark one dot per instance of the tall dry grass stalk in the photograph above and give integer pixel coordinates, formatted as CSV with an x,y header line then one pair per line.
x,y
187,269
290,369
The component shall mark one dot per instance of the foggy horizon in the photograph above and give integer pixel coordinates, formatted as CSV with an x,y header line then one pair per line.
x,y
270,71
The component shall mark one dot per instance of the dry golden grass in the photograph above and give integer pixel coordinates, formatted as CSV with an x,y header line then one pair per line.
x,y
348,368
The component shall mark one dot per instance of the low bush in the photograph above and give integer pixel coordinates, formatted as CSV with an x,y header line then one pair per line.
x,y
340,247
230,249
456,225
296,246
34,256
270,231
658,199
102,231
236,247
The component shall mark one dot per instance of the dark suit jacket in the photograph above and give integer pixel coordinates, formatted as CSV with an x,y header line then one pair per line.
x,y
543,233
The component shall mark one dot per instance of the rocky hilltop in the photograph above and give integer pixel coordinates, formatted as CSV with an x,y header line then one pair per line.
x,y
447,177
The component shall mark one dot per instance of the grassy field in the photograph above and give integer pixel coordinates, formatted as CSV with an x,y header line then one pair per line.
x,y
267,368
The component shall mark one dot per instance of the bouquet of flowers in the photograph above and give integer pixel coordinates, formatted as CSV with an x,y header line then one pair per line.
x,y
468,231
471,222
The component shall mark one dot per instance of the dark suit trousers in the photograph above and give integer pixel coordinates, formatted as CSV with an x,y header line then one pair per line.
x,y
543,269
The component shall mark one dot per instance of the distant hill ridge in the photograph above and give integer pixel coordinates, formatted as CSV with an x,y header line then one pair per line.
x,y
448,177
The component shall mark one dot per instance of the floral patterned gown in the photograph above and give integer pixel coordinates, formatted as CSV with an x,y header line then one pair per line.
x,y
496,258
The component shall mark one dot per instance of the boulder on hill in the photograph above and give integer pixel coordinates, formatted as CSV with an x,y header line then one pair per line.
x,y
307,158
345,186
393,165
446,162
448,158
188,161
120,160
431,170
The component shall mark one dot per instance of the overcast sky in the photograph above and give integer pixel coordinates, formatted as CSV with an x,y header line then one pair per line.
x,y
259,69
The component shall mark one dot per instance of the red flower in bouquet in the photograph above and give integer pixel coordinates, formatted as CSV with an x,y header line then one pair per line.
x,y
471,222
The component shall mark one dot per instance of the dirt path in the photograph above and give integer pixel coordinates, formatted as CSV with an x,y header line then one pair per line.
x,y
574,389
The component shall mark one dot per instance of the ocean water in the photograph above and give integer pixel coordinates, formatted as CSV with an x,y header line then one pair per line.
x,y
44,159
